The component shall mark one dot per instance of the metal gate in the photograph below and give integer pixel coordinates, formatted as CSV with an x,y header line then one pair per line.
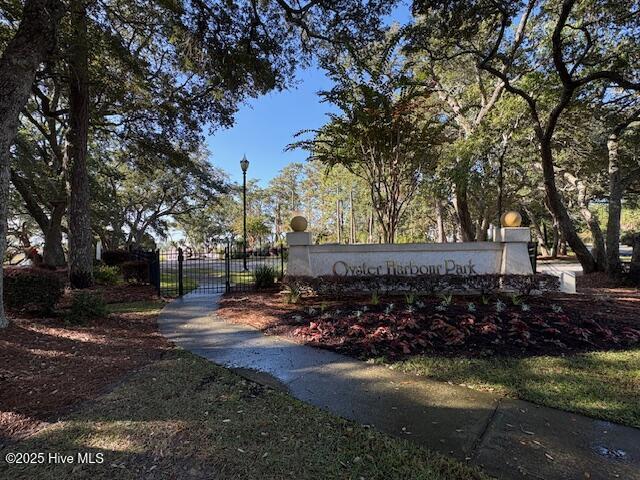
x,y
181,271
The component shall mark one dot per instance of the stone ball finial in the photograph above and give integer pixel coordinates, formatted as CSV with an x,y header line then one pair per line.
x,y
298,223
511,219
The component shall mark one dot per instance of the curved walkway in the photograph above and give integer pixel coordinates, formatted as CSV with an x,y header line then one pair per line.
x,y
508,438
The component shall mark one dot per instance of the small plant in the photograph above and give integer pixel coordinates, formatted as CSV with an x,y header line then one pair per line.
x,y
365,308
358,313
441,307
297,318
483,284
86,306
375,299
516,300
471,307
447,299
389,308
293,294
420,304
31,289
485,299
410,309
135,271
500,306
311,311
410,298
323,307
524,307
525,285
556,308
265,277
106,275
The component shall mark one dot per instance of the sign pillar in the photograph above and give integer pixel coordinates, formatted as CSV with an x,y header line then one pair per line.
x,y
515,255
298,263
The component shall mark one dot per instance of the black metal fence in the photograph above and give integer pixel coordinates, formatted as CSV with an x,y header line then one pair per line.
x,y
180,271
532,248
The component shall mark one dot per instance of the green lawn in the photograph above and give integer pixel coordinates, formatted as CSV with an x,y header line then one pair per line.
x,y
603,385
133,307
169,280
242,277
184,417
169,283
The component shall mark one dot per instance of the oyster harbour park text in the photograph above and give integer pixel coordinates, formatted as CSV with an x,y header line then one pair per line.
x,y
391,267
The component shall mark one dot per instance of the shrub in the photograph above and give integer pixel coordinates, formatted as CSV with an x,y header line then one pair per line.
x,y
265,276
135,271
116,257
86,306
105,275
333,285
293,293
526,284
32,289
484,284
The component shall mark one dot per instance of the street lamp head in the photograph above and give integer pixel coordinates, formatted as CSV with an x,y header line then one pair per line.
x,y
244,163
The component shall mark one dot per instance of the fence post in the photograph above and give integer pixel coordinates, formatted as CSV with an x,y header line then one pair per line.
x,y
533,255
227,267
157,271
180,280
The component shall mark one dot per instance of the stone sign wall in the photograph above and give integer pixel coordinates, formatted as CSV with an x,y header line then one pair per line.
x,y
509,255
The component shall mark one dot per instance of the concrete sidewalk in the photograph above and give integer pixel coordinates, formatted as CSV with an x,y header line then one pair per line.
x,y
508,438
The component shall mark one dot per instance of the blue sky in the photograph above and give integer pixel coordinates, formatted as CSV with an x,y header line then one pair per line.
x,y
266,125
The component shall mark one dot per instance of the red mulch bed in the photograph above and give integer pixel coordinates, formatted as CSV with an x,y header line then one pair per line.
x,y
48,368
353,326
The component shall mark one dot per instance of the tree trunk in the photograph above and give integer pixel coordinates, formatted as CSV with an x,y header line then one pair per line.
x,y
53,253
352,220
563,247
559,211
51,226
461,205
20,60
338,222
634,267
593,223
442,235
80,235
481,227
614,265
539,235
555,231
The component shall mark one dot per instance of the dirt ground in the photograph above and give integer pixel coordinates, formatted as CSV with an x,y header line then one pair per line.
x,y
48,368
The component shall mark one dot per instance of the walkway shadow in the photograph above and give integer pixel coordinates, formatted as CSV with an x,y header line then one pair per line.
x,y
508,437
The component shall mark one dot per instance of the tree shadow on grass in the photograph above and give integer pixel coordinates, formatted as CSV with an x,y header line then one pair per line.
x,y
185,418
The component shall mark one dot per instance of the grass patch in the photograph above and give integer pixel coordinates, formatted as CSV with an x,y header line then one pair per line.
x,y
184,417
603,385
143,306
243,278
169,283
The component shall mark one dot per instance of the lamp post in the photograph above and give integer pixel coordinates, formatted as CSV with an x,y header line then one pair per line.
x,y
244,165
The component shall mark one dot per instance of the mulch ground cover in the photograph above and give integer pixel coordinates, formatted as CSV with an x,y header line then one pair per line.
x,y
601,318
47,367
